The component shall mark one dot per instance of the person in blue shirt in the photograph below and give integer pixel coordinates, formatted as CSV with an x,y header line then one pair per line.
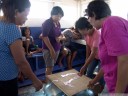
x,y
12,57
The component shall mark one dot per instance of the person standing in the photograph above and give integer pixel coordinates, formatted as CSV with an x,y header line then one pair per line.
x,y
92,38
51,33
12,55
113,51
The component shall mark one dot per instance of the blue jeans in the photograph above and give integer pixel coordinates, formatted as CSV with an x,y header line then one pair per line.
x,y
91,69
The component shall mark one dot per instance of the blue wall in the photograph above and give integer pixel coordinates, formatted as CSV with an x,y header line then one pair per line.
x,y
77,63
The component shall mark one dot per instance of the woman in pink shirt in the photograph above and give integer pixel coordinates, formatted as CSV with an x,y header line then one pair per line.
x,y
113,48
92,38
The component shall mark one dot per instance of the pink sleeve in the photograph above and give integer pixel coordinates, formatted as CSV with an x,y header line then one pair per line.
x,y
116,37
96,39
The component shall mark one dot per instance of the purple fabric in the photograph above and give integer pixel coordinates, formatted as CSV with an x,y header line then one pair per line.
x,y
49,30
114,39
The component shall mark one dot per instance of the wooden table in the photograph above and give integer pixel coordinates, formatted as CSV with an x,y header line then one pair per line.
x,y
69,82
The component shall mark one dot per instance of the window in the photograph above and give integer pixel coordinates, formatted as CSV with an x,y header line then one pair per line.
x,y
40,9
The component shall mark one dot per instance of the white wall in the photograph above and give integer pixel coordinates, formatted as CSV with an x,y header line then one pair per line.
x,y
84,6
40,11
119,8
70,13
73,9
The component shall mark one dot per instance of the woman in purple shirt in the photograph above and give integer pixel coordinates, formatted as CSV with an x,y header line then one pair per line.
x,y
113,48
51,31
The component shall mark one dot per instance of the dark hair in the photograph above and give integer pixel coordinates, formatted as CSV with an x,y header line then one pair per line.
x,y
99,8
82,23
23,30
57,10
9,8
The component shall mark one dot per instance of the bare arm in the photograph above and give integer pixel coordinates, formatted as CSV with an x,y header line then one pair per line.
x,y
19,57
41,36
32,41
51,49
96,79
88,51
122,74
91,56
76,35
61,38
88,60
47,42
98,76
27,42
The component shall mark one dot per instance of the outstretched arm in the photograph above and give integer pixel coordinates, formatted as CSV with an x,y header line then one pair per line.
x,y
88,60
96,79
122,74
16,49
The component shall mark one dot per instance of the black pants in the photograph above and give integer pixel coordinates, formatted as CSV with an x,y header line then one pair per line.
x,y
9,88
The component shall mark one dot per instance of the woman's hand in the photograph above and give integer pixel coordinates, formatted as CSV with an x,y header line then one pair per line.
x,y
82,71
91,84
53,54
76,35
60,38
37,84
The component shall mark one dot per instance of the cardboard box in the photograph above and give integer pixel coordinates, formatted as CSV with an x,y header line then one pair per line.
x,y
69,82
